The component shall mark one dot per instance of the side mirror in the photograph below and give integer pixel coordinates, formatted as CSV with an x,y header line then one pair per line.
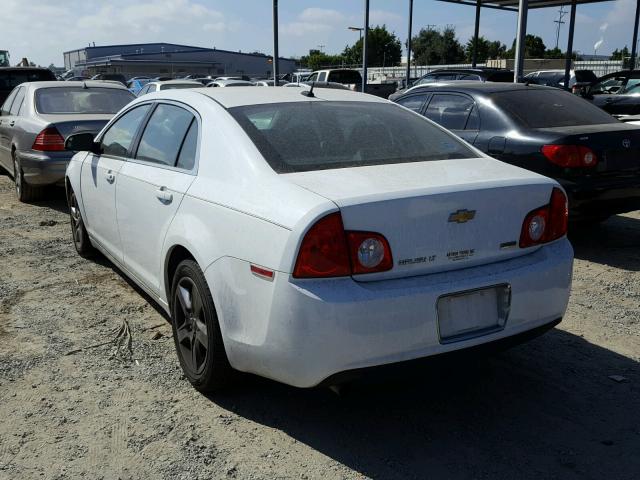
x,y
81,142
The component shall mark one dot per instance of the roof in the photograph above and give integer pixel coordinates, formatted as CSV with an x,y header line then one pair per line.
x,y
88,83
238,97
484,87
513,4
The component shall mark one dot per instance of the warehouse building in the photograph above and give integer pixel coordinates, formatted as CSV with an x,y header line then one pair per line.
x,y
168,59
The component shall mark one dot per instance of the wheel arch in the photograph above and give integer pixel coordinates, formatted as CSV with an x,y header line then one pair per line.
x,y
176,254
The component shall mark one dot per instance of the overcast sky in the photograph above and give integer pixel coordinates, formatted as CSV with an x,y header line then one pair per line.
x,y
42,29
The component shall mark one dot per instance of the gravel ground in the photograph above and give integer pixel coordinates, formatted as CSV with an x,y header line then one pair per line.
x,y
547,409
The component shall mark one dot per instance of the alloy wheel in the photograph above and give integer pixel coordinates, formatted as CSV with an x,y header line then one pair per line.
x,y
191,326
76,219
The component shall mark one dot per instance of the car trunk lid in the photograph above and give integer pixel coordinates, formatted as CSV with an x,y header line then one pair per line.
x,y
437,216
72,124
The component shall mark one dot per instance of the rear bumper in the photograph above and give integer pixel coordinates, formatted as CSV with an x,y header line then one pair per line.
x,y
42,169
603,197
302,332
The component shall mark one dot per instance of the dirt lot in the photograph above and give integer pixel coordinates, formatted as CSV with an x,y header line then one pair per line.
x,y
548,409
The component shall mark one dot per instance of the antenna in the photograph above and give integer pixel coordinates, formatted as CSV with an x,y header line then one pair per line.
x,y
309,93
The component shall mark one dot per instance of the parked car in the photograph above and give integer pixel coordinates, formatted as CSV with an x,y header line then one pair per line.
x,y
630,119
465,74
11,77
230,83
546,130
114,77
135,85
168,85
308,85
269,83
203,80
246,78
352,79
76,79
298,237
36,118
617,93
555,78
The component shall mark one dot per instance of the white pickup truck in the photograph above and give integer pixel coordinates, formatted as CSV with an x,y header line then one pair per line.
x,y
353,80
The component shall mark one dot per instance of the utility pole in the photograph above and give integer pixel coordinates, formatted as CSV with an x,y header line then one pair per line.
x,y
321,47
275,42
561,14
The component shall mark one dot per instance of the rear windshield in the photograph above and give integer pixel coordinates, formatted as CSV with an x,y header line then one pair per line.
x,y
344,76
73,100
540,108
176,86
13,78
305,136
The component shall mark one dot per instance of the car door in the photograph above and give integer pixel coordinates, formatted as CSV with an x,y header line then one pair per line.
x,y
5,131
99,178
151,186
454,111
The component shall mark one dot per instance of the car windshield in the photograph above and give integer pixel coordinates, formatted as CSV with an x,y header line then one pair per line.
x,y
306,136
76,100
540,108
176,86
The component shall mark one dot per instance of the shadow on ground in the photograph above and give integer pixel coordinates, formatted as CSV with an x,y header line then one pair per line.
x,y
615,242
542,410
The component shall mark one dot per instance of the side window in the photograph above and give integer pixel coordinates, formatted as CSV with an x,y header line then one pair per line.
x,y
17,102
468,76
413,102
164,134
633,84
116,142
322,77
450,111
446,76
473,123
425,79
313,78
610,84
6,106
187,155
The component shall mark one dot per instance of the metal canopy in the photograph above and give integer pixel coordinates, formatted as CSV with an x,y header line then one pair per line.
x,y
513,4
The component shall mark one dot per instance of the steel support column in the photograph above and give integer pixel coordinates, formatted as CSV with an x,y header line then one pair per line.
x,y
364,45
634,45
523,10
476,33
275,43
409,44
569,53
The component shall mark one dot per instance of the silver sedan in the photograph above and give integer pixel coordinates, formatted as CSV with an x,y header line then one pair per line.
x,y
36,118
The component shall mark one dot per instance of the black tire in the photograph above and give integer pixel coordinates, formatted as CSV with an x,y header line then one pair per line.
x,y
79,233
25,192
196,331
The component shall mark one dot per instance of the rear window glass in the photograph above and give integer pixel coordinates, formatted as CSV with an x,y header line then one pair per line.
x,y
540,108
345,76
72,100
305,136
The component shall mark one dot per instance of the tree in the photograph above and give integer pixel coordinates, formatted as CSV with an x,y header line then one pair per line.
x,y
534,47
486,50
317,60
434,47
383,49
620,54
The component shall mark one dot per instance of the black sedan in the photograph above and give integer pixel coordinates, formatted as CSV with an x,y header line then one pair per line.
x,y
595,157
618,93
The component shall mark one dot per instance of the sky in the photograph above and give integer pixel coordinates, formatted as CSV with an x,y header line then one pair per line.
x,y
42,30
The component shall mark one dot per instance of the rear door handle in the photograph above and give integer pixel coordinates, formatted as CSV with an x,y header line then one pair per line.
x,y
110,177
164,195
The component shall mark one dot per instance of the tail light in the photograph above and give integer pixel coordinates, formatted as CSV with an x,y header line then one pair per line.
x,y
327,250
570,156
547,223
49,140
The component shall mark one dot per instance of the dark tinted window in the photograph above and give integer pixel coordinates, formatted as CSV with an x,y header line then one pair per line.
x,y
585,76
187,157
450,111
163,135
93,100
14,78
6,106
505,76
473,122
304,136
345,76
441,77
469,76
176,86
17,102
117,140
413,102
539,108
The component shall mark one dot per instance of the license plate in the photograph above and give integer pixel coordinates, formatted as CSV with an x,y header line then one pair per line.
x,y
473,313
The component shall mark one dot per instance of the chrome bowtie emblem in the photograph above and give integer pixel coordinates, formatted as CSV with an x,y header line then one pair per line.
x,y
462,216
626,143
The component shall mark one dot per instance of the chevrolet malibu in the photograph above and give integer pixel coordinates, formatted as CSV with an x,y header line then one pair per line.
x,y
300,235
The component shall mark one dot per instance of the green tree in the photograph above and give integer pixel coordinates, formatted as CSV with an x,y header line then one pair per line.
x,y
620,54
534,47
435,47
317,60
383,49
486,50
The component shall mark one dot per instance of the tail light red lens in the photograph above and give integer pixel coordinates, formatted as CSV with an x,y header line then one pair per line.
x,y
570,156
547,223
327,250
49,140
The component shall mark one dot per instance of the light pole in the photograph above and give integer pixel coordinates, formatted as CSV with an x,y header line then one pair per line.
x,y
356,29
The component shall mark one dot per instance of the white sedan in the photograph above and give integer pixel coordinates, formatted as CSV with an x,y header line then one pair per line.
x,y
299,235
